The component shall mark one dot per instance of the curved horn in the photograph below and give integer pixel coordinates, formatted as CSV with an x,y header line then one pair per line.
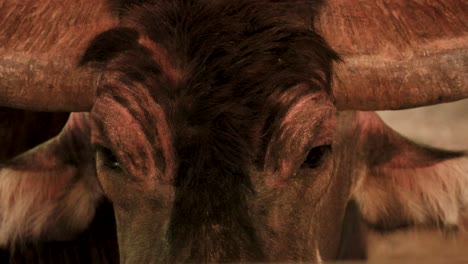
x,y
397,54
41,43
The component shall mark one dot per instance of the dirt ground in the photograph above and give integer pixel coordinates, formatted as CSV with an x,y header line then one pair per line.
x,y
444,126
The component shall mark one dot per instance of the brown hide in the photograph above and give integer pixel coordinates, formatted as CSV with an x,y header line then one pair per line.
x,y
21,130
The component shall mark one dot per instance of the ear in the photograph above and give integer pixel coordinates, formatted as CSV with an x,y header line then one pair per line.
x,y
399,183
50,192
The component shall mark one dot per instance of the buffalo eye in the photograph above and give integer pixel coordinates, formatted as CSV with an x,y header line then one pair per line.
x,y
315,156
108,158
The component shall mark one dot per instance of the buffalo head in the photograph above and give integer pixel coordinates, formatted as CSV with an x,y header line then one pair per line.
x,y
218,129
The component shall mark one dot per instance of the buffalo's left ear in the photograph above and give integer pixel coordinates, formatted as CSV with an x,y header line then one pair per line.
x,y
399,183
50,192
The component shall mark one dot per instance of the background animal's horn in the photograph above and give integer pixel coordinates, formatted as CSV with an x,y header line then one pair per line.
x,y
40,46
396,53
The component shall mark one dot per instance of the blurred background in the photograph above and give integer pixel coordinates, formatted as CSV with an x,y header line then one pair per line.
x,y
443,126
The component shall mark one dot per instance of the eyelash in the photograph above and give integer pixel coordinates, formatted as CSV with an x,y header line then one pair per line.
x,y
315,156
108,158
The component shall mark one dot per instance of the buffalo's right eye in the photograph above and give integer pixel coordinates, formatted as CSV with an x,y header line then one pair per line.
x,y
108,158
315,156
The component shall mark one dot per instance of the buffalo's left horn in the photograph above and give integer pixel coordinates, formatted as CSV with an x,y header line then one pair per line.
x,y
41,43
397,54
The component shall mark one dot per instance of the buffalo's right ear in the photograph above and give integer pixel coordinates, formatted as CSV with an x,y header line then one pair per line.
x,y
50,192
108,44
399,183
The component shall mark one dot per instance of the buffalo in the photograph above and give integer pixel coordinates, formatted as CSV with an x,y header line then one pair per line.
x,y
228,131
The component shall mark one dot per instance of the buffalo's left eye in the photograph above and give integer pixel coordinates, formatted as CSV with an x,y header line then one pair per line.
x,y
108,158
315,156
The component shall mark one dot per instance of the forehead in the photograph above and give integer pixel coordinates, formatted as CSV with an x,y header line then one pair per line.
x,y
205,64
219,50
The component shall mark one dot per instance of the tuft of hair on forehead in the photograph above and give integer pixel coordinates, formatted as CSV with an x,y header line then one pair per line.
x,y
231,56
233,50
